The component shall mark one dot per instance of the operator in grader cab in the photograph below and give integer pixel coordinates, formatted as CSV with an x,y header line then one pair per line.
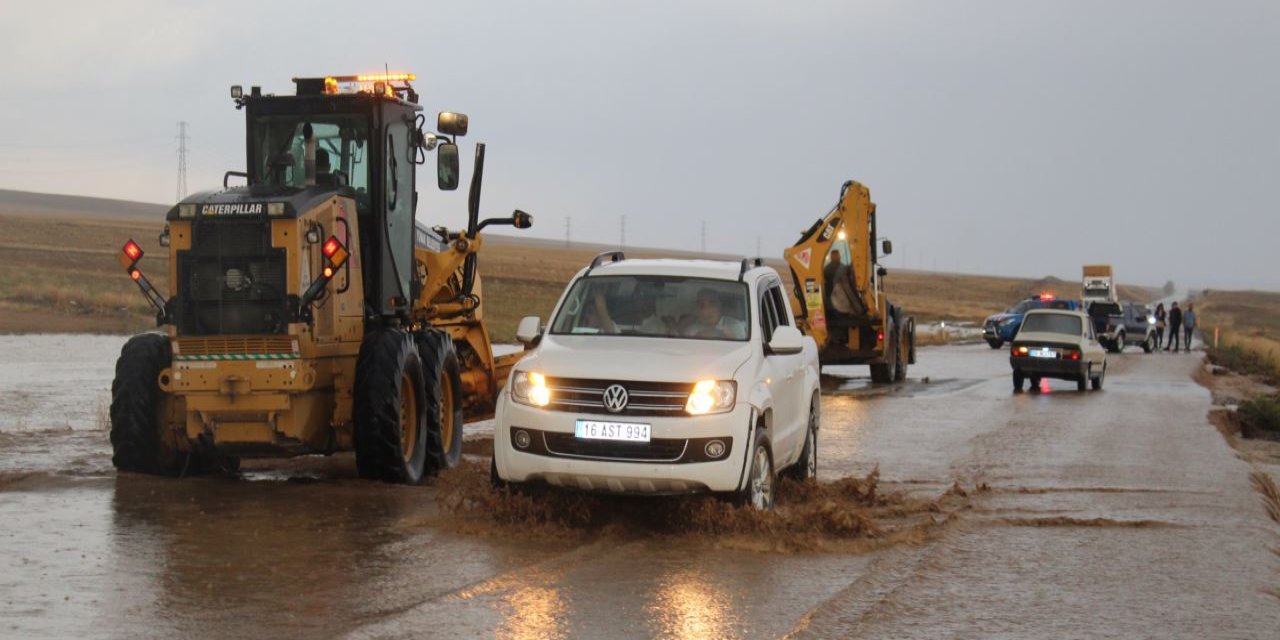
x,y
309,312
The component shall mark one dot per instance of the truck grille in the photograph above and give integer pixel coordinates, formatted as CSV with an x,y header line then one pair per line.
x,y
231,281
584,395
554,444
656,450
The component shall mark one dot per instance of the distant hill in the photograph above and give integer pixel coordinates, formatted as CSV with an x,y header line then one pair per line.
x,y
30,203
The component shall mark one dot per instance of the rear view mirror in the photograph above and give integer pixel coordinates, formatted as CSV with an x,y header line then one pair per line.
x,y
529,329
447,166
521,220
451,124
786,341
886,247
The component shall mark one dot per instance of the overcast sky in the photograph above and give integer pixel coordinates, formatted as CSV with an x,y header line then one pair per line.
x,y
1015,137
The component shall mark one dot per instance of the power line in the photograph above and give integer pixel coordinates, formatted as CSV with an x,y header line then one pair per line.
x,y
182,160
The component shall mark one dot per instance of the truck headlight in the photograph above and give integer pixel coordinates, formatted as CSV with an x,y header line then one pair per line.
x,y
530,388
711,396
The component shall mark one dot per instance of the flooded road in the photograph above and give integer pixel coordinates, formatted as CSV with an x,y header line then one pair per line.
x,y
1119,513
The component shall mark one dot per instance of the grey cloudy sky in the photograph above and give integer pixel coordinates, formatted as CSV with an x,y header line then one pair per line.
x,y
1015,137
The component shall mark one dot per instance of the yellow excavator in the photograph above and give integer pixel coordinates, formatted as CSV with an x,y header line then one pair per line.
x,y
839,294
309,312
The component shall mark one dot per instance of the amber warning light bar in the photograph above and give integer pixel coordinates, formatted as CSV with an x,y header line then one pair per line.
x,y
130,254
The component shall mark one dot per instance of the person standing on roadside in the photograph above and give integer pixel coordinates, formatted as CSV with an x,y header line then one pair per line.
x,y
1161,316
1175,325
1188,326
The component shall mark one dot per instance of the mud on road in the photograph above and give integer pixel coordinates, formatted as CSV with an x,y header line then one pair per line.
x,y
947,508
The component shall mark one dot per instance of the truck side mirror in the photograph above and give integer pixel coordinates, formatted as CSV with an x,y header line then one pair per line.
x,y
451,124
882,272
529,329
447,166
886,247
786,341
521,220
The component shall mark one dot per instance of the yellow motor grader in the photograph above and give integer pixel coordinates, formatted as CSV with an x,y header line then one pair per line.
x,y
839,294
309,312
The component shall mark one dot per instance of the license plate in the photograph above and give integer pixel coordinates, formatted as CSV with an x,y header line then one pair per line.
x,y
623,431
1044,353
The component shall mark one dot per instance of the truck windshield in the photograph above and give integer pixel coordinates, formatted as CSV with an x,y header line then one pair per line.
x,y
1053,323
342,146
656,307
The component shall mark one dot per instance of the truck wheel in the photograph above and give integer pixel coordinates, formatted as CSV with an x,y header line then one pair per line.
x,y
887,371
995,343
137,441
1120,342
1097,381
758,493
911,333
390,409
806,468
444,399
1149,345
495,480
1082,383
1017,381
904,357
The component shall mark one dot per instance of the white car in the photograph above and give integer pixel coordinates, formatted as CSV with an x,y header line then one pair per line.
x,y
663,377
1060,344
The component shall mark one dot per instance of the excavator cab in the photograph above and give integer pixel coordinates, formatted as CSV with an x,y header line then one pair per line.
x,y
839,289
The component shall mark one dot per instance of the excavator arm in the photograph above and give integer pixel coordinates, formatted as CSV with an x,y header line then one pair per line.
x,y
833,269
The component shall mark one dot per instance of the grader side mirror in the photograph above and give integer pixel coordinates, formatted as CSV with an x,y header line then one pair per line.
x,y
886,247
447,166
451,124
521,220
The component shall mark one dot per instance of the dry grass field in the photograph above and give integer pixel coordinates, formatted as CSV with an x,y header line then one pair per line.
x,y
58,272
1248,321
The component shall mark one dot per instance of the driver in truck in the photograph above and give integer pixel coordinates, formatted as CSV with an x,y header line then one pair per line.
x,y
710,321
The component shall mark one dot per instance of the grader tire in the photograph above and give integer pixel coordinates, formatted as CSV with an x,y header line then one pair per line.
x,y
443,378
136,441
887,371
390,434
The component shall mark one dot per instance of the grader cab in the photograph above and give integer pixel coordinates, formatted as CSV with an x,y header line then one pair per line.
x,y
309,312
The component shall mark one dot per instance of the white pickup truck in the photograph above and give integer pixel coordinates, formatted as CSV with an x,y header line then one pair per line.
x,y
663,377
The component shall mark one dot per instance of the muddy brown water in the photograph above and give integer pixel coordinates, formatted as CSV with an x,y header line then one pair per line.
x,y
1119,513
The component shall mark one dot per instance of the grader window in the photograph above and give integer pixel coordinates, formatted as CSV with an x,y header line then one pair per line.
x,y
342,141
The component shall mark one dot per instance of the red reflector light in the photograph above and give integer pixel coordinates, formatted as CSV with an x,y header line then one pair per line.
x,y
1019,351
135,274
132,250
1075,355
328,272
880,337
331,247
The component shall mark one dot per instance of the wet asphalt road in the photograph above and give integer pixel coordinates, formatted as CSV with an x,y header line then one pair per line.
x,y
1119,513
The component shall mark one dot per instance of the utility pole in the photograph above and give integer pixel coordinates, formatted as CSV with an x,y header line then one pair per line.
x,y
622,233
703,245
182,160
567,241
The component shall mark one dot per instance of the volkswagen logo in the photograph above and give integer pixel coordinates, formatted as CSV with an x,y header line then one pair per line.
x,y
615,398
